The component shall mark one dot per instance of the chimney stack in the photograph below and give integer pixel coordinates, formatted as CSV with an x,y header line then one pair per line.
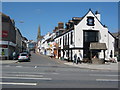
x,y
97,14
60,25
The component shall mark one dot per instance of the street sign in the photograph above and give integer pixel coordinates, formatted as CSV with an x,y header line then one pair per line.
x,y
4,33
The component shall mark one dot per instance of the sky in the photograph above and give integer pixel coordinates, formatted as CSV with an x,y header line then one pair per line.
x,y
48,14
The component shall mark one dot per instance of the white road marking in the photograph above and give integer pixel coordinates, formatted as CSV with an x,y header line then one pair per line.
x,y
35,66
104,75
115,80
30,73
19,66
7,66
27,78
27,75
10,83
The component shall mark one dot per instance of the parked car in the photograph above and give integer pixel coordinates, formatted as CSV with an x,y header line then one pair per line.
x,y
27,52
23,57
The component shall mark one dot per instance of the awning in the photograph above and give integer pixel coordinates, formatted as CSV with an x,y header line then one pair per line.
x,y
98,46
49,49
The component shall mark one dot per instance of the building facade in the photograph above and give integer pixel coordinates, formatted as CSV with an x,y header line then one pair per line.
x,y
8,42
86,37
11,38
18,41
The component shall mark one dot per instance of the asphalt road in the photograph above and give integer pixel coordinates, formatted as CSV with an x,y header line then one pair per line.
x,y
43,72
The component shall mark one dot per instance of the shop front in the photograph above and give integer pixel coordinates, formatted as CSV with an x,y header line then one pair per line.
x,y
6,49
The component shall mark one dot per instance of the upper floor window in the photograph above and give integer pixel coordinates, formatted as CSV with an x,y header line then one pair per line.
x,y
71,38
60,41
90,21
65,39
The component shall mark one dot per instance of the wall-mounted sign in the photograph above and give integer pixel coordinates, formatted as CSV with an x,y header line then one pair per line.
x,y
4,33
4,46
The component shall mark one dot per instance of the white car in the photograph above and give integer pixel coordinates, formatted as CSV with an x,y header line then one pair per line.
x,y
23,57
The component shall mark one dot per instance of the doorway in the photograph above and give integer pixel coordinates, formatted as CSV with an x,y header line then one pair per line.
x,y
88,37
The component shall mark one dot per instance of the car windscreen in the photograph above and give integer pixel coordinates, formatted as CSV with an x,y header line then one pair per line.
x,y
23,55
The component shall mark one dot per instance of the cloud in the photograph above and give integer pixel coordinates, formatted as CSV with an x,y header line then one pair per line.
x,y
38,10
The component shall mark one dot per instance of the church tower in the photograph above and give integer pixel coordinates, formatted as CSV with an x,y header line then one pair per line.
x,y
39,34
39,38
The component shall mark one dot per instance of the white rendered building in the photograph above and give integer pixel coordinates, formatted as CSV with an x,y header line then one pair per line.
x,y
87,37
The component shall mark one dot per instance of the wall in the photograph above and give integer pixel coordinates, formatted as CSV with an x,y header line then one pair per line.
x,y
18,41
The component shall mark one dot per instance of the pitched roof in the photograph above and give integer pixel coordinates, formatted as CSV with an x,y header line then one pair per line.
x,y
4,15
115,34
94,16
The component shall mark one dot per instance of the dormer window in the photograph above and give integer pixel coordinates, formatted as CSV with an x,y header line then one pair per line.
x,y
90,21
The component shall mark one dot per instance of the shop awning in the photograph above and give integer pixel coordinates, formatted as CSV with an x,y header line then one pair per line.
x,y
49,49
98,46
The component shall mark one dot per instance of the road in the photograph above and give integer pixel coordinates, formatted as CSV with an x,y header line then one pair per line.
x,y
43,72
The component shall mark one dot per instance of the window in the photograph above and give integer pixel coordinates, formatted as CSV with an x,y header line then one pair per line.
x,y
63,40
68,38
71,38
90,21
91,36
60,41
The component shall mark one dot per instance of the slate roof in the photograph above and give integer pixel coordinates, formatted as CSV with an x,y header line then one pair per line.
x,y
115,35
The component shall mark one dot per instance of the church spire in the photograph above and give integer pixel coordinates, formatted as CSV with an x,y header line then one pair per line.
x,y
39,34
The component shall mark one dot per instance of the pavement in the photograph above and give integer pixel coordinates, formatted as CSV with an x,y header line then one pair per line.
x,y
106,66
8,61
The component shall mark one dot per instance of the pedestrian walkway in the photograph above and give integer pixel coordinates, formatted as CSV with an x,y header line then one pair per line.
x,y
107,66
8,61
